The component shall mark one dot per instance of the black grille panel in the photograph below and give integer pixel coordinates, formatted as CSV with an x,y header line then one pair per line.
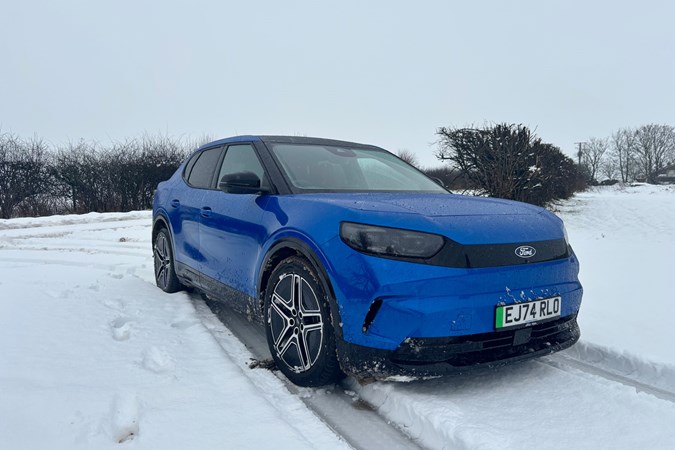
x,y
457,255
483,348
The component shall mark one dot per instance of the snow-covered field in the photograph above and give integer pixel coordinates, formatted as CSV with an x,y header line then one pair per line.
x,y
625,239
92,355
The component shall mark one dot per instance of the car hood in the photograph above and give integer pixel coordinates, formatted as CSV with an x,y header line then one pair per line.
x,y
429,205
464,219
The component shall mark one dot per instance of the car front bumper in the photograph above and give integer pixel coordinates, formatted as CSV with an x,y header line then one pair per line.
x,y
425,357
383,302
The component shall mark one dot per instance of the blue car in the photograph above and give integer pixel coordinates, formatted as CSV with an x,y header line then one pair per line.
x,y
357,263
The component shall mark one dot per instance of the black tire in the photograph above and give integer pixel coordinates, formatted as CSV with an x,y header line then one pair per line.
x,y
298,325
165,272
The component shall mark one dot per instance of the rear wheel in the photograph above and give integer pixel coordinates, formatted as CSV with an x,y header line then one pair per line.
x,y
298,323
165,272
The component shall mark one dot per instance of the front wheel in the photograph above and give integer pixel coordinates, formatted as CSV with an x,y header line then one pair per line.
x,y
299,329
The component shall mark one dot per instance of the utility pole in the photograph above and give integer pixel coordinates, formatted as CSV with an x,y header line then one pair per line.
x,y
580,153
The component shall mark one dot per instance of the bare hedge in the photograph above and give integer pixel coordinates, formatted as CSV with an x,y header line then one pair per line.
x,y
82,177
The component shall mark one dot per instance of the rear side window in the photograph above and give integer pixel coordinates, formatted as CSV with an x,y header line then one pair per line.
x,y
190,164
201,174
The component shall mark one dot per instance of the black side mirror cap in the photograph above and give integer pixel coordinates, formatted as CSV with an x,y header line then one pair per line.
x,y
241,183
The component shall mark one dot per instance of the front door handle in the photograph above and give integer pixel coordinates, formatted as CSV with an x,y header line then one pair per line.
x,y
175,203
206,212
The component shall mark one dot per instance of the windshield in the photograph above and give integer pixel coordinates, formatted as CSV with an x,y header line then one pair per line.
x,y
327,168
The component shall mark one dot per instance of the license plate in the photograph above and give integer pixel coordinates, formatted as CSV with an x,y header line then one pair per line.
x,y
527,312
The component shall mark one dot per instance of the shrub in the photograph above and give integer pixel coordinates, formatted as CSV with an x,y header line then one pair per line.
x,y
508,161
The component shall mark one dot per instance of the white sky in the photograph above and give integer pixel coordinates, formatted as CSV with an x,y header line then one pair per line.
x,y
383,72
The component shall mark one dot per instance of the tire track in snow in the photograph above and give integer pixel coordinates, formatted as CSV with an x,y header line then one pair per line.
x,y
659,375
569,364
357,422
78,248
103,221
59,262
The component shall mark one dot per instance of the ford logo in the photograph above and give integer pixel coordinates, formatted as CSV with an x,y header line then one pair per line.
x,y
525,251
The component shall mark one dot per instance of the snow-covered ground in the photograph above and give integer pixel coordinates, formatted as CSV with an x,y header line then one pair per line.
x,y
625,239
92,355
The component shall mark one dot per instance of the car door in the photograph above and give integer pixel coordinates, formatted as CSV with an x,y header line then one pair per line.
x,y
231,234
185,211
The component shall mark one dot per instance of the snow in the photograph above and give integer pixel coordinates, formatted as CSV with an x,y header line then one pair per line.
x,y
625,240
93,355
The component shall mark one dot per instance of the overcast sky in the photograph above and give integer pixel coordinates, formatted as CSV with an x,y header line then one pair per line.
x,y
387,73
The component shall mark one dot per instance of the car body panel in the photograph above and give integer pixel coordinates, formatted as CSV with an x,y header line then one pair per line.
x,y
180,206
230,238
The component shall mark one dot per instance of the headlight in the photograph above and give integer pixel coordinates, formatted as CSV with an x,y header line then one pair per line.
x,y
390,242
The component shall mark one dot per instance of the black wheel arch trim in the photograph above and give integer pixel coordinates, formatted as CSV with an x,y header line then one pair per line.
x,y
302,249
161,217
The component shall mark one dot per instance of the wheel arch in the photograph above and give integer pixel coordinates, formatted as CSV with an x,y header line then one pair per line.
x,y
288,247
158,223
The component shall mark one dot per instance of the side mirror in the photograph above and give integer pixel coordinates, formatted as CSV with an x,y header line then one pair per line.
x,y
241,183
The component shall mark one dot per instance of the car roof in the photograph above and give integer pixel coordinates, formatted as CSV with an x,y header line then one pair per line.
x,y
287,140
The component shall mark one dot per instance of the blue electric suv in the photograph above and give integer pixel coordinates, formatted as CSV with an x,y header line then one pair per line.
x,y
357,263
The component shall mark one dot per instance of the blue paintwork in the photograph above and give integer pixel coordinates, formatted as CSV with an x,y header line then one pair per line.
x,y
230,239
418,300
422,300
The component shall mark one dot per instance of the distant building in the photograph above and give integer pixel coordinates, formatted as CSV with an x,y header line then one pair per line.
x,y
666,175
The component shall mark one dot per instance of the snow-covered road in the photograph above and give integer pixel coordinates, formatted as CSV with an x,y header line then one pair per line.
x,y
92,354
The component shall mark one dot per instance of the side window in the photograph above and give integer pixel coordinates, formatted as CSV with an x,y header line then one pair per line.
x,y
201,174
242,158
190,164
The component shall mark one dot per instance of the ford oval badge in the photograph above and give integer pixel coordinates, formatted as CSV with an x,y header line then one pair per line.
x,y
526,251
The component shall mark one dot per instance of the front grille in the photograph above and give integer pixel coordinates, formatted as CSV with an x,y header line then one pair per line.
x,y
483,348
457,255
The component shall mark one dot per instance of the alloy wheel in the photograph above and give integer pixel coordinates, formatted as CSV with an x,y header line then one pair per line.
x,y
162,261
296,322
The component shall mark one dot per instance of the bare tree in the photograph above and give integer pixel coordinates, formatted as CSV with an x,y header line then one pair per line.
x,y
592,153
623,152
655,145
409,157
609,167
